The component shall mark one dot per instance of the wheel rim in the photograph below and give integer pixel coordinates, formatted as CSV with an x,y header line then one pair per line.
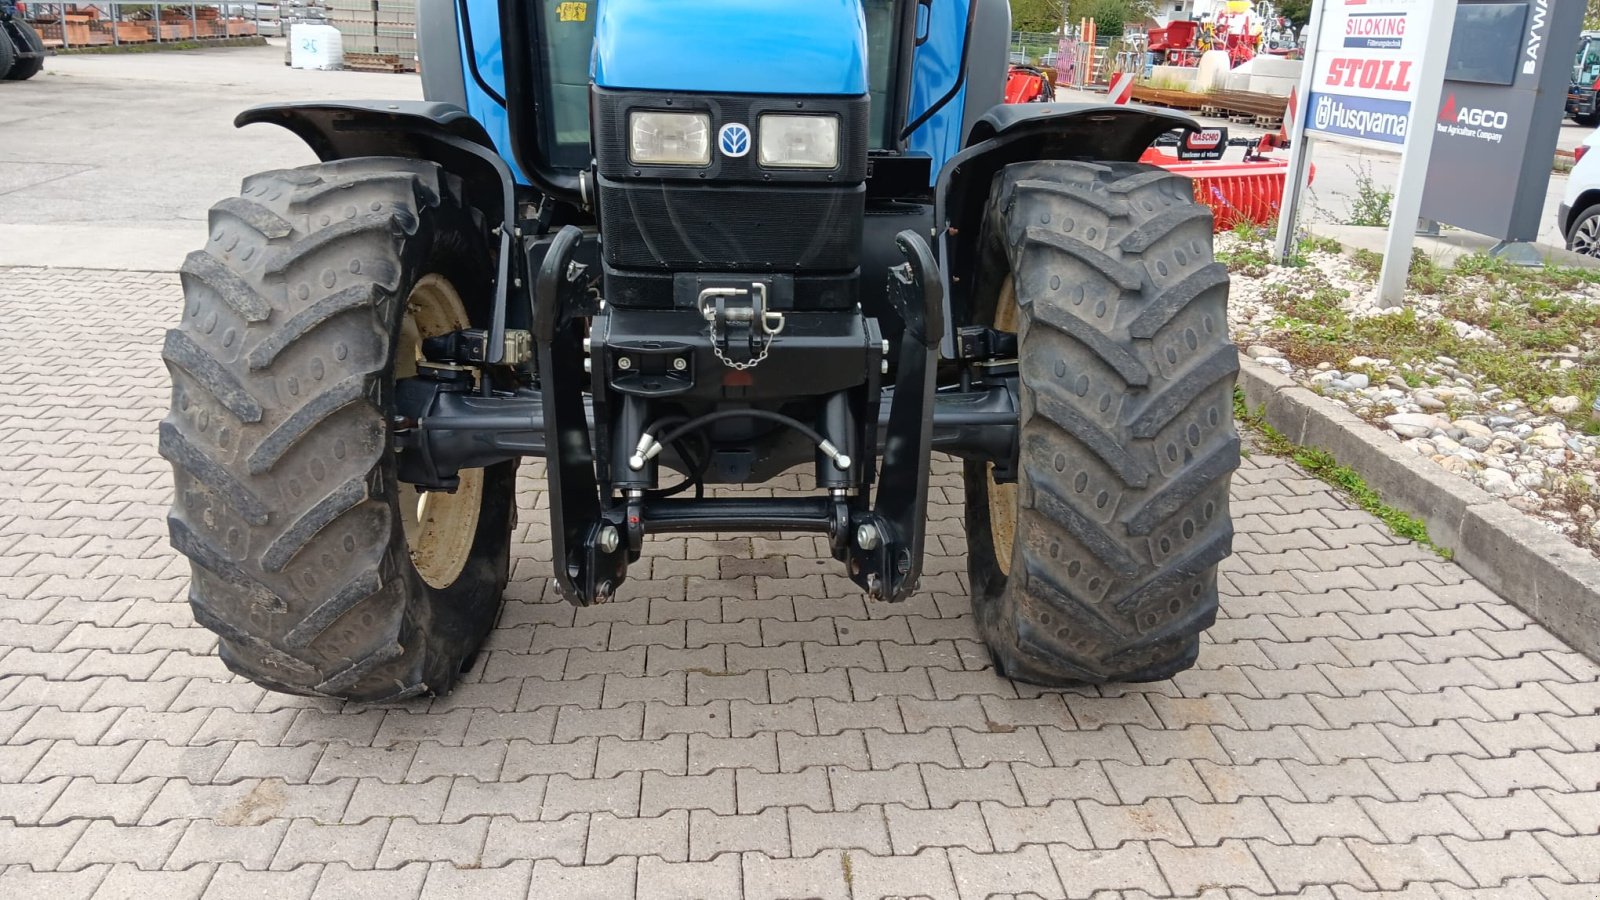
x,y
1586,237
439,527
1003,496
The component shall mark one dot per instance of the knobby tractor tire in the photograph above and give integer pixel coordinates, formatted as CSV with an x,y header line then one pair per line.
x,y
312,294
23,69
1108,543
8,53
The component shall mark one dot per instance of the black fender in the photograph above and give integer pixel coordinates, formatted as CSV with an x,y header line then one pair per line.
x,y
1024,132
415,129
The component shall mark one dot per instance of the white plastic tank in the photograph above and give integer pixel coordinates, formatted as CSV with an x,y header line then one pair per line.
x,y
315,47
1212,72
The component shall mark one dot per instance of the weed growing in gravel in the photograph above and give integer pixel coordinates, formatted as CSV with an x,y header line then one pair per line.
x,y
1251,253
1323,465
1324,244
1371,205
1542,340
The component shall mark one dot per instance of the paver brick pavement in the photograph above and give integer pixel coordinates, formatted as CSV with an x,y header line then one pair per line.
x,y
1363,718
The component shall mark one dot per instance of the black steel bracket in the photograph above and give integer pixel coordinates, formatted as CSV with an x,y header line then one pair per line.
x,y
589,553
887,543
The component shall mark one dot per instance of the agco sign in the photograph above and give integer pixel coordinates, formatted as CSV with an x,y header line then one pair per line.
x,y
1474,122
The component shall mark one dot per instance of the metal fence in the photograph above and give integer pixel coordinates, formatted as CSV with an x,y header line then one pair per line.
x,y
1076,63
75,26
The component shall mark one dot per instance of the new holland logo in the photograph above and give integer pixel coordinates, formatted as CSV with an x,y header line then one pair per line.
x,y
734,139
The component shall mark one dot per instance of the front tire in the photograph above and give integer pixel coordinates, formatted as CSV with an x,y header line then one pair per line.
x,y
321,573
1099,563
23,69
8,53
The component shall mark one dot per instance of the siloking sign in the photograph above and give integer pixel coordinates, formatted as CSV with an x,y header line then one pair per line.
x,y
1368,54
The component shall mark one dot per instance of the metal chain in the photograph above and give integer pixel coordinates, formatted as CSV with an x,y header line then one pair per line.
x,y
716,347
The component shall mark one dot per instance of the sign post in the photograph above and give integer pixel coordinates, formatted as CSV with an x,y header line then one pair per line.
x,y
1406,207
1294,180
1370,66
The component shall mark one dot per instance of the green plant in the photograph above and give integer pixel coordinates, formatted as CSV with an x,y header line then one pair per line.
x,y
1323,465
1368,263
1325,244
1425,276
1371,205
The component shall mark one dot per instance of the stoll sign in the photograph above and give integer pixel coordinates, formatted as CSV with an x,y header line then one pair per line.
x,y
1363,81
1505,87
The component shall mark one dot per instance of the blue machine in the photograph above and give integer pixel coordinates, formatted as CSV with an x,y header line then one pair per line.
x,y
719,238
815,55
22,53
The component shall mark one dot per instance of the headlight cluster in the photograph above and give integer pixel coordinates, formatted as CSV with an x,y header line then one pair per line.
x,y
657,138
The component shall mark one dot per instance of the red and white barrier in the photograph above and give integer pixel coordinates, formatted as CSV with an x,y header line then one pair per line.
x,y
1121,89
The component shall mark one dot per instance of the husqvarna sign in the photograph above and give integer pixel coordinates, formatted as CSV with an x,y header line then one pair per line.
x,y
1363,75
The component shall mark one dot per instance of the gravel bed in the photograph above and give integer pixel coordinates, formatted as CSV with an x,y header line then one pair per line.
x,y
1532,452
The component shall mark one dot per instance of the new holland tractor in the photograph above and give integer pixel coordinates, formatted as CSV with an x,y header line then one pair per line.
x,y
668,245
22,53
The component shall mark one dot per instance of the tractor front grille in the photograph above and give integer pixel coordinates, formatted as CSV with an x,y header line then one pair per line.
x,y
657,224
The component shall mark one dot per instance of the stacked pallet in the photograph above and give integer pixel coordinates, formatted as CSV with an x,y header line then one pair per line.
x,y
1250,108
379,35
89,26
276,19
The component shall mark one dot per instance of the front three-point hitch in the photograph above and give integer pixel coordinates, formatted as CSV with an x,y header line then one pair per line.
x,y
681,383
706,388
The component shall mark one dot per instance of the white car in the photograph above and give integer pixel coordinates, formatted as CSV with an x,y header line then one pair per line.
x,y
1579,213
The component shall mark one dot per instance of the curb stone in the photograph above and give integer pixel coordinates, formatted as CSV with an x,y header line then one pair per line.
x,y
1531,567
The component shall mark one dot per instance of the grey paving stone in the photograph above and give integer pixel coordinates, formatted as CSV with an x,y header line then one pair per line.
x,y
1364,717
825,876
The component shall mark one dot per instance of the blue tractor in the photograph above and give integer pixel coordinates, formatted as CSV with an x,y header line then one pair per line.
x,y
22,53
662,246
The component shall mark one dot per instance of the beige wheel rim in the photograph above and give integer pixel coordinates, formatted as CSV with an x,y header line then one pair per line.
x,y
1003,497
439,527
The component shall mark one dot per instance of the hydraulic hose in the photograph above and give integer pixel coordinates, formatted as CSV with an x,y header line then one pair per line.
x,y
649,445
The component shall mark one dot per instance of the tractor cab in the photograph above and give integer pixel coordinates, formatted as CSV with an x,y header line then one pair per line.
x,y
723,267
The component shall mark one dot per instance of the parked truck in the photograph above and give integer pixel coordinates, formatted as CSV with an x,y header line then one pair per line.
x,y
1582,105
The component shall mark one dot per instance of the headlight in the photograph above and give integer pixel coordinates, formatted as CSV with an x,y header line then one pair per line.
x,y
669,139
800,142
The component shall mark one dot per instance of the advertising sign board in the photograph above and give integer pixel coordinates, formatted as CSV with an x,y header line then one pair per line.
x,y
1374,70
1363,82
1496,126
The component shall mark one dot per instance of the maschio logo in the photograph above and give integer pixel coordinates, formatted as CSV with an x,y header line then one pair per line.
x,y
1361,117
734,139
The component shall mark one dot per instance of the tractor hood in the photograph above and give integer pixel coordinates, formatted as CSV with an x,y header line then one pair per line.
x,y
815,47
